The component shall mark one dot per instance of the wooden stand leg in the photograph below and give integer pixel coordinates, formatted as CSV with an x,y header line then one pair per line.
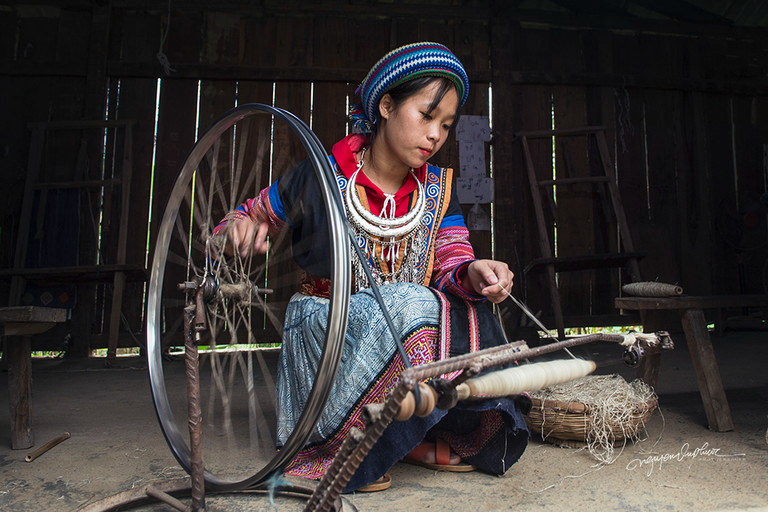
x,y
114,317
648,370
707,372
20,391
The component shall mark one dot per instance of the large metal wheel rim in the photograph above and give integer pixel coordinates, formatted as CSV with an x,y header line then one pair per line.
x,y
339,300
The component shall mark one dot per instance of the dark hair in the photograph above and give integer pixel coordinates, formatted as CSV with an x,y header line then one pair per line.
x,y
402,92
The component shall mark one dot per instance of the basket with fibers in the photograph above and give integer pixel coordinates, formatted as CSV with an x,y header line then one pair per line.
x,y
596,411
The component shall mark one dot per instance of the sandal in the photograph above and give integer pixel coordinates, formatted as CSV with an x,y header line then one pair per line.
x,y
381,484
442,457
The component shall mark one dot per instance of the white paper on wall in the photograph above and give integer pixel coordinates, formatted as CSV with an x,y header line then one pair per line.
x,y
473,186
477,219
472,159
473,128
475,189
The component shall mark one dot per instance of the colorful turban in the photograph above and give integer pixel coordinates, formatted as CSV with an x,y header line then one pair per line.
x,y
400,65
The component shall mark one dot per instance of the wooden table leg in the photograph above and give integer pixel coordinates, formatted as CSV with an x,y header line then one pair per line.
x,y
20,391
648,369
707,371
114,318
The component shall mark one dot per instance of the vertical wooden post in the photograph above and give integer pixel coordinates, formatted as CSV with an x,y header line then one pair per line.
x,y
119,281
544,245
33,170
20,391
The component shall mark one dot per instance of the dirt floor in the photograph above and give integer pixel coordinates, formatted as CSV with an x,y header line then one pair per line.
x,y
117,446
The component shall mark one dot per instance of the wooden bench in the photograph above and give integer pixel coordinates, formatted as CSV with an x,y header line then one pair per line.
x,y
699,345
18,324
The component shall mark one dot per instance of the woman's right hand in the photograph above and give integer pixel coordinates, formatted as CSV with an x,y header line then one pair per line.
x,y
246,236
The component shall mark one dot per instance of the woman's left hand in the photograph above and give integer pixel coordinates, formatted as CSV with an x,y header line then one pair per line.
x,y
490,278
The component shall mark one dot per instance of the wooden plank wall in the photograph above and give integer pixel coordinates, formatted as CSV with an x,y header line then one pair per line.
x,y
685,109
687,130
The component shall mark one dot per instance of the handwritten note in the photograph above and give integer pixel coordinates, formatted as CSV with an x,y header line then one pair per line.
x,y
478,219
475,189
473,128
471,159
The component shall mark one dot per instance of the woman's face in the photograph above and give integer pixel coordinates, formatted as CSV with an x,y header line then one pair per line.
x,y
411,133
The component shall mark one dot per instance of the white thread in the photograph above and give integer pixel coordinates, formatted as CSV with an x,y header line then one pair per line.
x,y
529,377
533,317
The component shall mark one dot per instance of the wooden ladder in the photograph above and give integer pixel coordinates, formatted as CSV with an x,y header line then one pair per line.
x,y
116,272
627,257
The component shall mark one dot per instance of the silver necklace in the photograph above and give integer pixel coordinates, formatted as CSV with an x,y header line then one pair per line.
x,y
378,225
389,234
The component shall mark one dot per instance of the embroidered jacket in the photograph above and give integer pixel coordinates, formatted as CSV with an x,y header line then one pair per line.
x,y
295,199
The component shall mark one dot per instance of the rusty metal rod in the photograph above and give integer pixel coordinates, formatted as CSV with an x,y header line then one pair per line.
x,y
47,446
195,417
515,346
502,354
242,290
166,498
135,495
350,442
379,417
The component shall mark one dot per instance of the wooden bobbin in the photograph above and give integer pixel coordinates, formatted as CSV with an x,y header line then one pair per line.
x,y
407,406
427,403
427,400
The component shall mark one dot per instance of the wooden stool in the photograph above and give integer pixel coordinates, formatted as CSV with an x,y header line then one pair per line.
x,y
699,345
18,324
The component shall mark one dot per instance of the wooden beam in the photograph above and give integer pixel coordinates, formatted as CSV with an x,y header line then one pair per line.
x,y
353,10
618,24
586,262
16,314
593,7
78,274
753,86
79,124
692,302
683,11
272,74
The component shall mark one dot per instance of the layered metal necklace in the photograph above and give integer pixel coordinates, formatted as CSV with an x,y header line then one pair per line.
x,y
386,238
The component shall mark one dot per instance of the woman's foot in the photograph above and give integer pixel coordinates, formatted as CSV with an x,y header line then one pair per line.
x,y
378,485
437,455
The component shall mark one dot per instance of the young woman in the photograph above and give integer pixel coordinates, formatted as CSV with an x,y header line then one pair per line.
x,y
409,224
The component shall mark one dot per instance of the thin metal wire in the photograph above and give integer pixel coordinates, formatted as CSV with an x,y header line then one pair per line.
x,y
533,317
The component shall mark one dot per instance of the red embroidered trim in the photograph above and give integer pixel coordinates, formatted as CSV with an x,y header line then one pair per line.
x,y
474,327
316,286
473,442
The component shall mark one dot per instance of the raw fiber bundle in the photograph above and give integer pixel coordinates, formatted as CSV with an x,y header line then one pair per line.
x,y
598,410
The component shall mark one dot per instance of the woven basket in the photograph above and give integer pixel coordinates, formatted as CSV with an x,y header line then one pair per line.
x,y
556,421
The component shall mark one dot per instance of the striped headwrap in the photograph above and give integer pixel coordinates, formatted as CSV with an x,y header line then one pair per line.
x,y
400,65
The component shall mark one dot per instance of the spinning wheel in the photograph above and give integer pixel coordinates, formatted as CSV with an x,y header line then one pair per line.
x,y
245,298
